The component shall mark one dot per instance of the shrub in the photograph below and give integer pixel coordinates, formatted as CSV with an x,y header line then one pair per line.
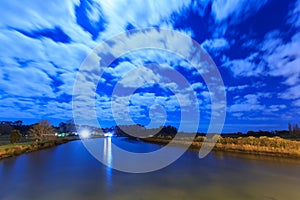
x,y
15,136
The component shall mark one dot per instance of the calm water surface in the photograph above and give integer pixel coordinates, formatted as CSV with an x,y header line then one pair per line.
x,y
70,172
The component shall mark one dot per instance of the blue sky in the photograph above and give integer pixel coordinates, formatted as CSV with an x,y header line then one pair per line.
x,y
255,45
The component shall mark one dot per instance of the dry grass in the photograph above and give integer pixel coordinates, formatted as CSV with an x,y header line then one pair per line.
x,y
9,150
275,146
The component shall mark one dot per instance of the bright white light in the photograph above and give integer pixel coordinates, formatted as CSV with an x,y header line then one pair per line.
x,y
85,134
109,134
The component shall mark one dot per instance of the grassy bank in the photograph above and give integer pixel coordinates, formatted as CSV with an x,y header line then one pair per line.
x,y
10,150
273,146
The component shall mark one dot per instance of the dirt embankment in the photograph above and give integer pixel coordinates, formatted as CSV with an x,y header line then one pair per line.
x,y
10,150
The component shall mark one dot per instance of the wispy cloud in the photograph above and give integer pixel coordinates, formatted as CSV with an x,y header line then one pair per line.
x,y
283,59
215,44
291,93
237,10
246,67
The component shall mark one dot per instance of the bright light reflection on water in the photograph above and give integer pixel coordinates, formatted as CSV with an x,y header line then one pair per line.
x,y
107,158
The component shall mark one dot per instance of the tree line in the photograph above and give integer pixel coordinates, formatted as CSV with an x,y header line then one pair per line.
x,y
44,129
38,131
140,131
16,130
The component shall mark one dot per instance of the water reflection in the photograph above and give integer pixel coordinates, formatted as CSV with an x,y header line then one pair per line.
x,y
69,172
107,158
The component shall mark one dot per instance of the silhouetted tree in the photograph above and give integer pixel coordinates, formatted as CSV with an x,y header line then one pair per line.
x,y
17,123
290,129
70,126
5,129
67,127
62,127
41,129
15,136
6,122
296,130
168,131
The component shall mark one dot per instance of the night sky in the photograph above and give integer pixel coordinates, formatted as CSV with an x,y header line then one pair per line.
x,y
255,45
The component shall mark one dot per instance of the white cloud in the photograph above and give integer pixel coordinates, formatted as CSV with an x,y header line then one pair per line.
x,y
121,69
25,82
283,59
225,8
236,9
42,57
140,77
272,40
237,114
294,18
145,99
152,39
156,13
171,103
297,103
276,108
198,85
291,93
16,112
38,15
249,103
17,45
35,15
25,107
69,57
238,87
171,85
232,12
206,94
245,67
184,100
215,44
127,108
200,6
94,11
246,107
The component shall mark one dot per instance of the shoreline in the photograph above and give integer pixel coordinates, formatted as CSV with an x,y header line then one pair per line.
x,y
11,150
244,146
292,152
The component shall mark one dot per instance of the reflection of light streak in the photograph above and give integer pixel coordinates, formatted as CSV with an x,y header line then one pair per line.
x,y
108,134
107,152
107,158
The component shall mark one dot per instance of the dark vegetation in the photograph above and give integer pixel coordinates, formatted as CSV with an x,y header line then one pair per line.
x,y
16,138
139,131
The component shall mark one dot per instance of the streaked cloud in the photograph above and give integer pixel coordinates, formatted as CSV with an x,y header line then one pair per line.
x,y
215,44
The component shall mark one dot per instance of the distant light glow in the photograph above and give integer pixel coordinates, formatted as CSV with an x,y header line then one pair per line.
x,y
109,134
85,134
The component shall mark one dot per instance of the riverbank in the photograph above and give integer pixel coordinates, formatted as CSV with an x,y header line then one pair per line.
x,y
269,146
10,150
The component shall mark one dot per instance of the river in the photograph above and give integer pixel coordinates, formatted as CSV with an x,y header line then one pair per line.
x,y
69,172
